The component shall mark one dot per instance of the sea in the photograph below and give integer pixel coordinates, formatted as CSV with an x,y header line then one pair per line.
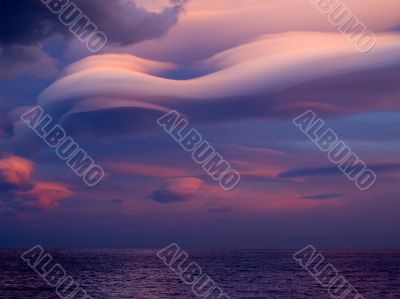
x,y
134,273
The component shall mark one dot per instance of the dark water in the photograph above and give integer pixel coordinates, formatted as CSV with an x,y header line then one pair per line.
x,y
241,273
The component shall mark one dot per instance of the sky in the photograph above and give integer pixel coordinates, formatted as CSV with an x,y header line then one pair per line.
x,y
239,71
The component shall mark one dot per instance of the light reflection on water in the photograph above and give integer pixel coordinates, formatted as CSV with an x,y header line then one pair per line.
x,y
241,273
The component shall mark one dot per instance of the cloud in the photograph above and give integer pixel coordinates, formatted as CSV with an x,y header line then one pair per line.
x,y
310,171
30,22
6,127
219,210
126,23
178,190
144,170
271,64
26,25
323,196
334,170
15,171
261,17
46,195
274,77
386,167
124,117
26,60
18,191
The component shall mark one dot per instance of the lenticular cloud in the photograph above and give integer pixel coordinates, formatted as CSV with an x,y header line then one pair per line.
x,y
273,76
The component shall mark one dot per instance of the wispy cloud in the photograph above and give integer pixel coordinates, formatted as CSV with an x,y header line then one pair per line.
x,y
323,196
178,190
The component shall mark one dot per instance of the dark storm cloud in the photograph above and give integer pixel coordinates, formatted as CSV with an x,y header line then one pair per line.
x,y
125,23
29,22
26,24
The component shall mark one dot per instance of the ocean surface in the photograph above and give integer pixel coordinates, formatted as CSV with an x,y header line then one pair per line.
x,y
241,273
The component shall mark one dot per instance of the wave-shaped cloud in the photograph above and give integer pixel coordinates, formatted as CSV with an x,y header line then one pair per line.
x,y
210,26
258,79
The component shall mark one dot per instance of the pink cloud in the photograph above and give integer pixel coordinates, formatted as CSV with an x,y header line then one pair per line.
x,y
152,171
263,73
15,170
18,190
178,190
260,17
47,195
